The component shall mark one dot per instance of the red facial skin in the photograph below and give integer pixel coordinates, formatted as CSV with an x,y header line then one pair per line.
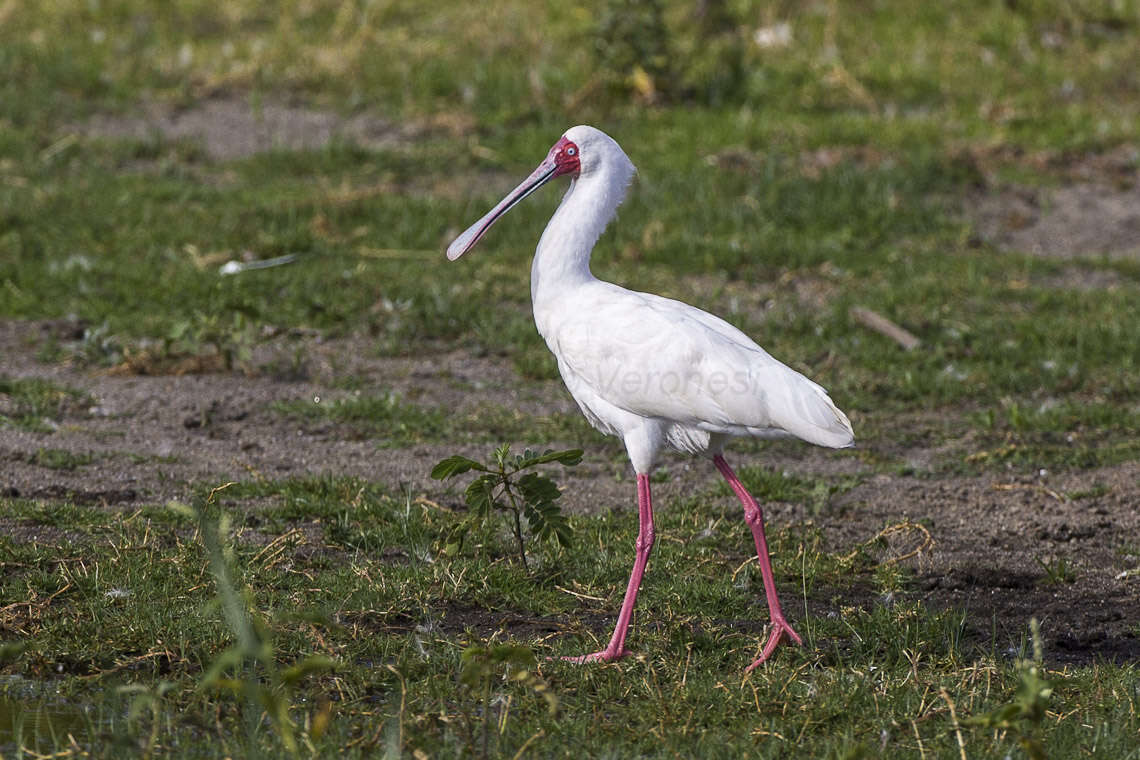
x,y
566,158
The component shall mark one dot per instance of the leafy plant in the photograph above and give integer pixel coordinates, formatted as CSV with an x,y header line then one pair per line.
x,y
502,488
1022,717
232,339
647,51
1058,571
633,46
257,676
481,665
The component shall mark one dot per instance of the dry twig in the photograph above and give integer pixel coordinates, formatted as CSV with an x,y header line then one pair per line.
x,y
884,326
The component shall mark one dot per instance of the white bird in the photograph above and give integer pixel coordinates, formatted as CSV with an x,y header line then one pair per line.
x,y
653,371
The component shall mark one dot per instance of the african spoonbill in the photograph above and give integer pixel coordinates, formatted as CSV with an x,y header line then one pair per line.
x,y
653,371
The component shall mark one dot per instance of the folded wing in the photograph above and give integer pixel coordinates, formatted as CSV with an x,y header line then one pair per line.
x,y
661,358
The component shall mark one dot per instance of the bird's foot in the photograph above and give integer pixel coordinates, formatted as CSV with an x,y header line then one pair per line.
x,y
606,655
781,630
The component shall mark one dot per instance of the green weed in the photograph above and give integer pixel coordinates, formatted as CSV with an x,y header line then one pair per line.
x,y
388,416
1058,570
503,486
1024,715
769,485
249,667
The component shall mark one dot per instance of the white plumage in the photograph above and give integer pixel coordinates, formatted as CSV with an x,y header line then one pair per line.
x,y
654,371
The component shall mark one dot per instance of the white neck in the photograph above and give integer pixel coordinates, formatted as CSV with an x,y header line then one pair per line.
x,y
562,259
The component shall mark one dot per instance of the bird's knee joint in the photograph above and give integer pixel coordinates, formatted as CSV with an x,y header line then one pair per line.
x,y
753,517
645,540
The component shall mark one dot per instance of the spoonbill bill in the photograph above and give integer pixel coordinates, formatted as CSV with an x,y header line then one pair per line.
x,y
653,371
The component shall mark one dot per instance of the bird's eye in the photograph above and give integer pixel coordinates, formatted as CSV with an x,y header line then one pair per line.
x,y
571,151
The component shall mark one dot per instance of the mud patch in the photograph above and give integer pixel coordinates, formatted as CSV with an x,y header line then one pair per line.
x,y
1083,220
1009,549
456,618
1074,278
80,496
32,532
232,127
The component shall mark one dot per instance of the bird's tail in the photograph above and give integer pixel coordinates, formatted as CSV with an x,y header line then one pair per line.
x,y
806,411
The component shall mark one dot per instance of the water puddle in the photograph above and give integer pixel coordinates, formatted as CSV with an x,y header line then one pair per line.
x,y
33,717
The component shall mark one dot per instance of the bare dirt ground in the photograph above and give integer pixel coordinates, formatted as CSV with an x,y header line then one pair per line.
x,y
1094,212
229,127
154,438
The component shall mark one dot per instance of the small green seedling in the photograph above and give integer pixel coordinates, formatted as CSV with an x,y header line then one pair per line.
x,y
482,665
1057,571
1023,716
502,488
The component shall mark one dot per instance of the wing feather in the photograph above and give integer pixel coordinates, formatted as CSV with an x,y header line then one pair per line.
x,y
656,357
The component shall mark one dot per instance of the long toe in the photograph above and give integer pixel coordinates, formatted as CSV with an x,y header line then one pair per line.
x,y
781,631
603,656
792,635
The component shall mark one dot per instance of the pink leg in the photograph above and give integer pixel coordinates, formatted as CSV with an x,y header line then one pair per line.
x,y
645,536
754,516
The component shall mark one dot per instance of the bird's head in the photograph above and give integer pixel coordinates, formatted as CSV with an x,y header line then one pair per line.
x,y
578,153
595,148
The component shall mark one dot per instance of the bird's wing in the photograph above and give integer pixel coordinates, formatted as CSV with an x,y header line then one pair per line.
x,y
657,357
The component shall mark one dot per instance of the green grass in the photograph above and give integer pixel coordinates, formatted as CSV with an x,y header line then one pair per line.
x,y
734,210
61,459
339,568
1068,435
35,404
880,232
396,422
